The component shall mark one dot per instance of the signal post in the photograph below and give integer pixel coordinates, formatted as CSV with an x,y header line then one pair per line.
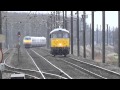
x,y
1,54
18,45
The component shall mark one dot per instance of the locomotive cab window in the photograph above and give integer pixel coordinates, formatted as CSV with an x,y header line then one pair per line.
x,y
54,35
27,38
60,34
65,35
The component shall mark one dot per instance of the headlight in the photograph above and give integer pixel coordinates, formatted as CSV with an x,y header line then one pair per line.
x,y
60,44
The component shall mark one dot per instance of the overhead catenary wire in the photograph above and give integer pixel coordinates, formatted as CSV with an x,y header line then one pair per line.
x,y
34,17
47,22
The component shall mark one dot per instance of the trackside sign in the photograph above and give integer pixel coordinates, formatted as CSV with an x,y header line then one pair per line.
x,y
1,56
2,38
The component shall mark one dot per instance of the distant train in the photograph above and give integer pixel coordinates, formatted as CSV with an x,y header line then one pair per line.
x,y
60,42
30,41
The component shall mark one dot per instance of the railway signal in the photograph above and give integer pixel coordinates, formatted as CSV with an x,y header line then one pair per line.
x,y
18,46
19,34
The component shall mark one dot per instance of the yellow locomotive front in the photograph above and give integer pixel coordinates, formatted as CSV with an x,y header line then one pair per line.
x,y
27,42
59,42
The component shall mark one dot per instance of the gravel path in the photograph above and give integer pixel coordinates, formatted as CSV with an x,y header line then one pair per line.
x,y
24,62
6,75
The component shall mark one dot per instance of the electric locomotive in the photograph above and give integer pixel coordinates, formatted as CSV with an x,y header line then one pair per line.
x,y
27,41
59,42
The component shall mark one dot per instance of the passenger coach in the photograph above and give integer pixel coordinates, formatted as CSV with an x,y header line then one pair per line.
x,y
30,41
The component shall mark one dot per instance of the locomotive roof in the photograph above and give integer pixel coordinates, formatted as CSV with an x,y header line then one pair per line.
x,y
27,37
33,37
59,29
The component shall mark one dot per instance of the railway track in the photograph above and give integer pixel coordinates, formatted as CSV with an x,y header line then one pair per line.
x,y
46,68
94,70
28,73
104,73
6,54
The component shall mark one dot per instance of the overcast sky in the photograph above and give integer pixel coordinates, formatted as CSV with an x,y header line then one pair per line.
x,y
111,17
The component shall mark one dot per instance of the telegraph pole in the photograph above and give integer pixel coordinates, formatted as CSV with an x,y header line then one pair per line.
x,y
107,34
47,34
6,34
90,35
103,36
59,18
97,34
71,32
56,20
66,19
78,46
0,43
48,30
63,19
119,38
100,36
93,35
84,30
113,36
0,27
51,21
